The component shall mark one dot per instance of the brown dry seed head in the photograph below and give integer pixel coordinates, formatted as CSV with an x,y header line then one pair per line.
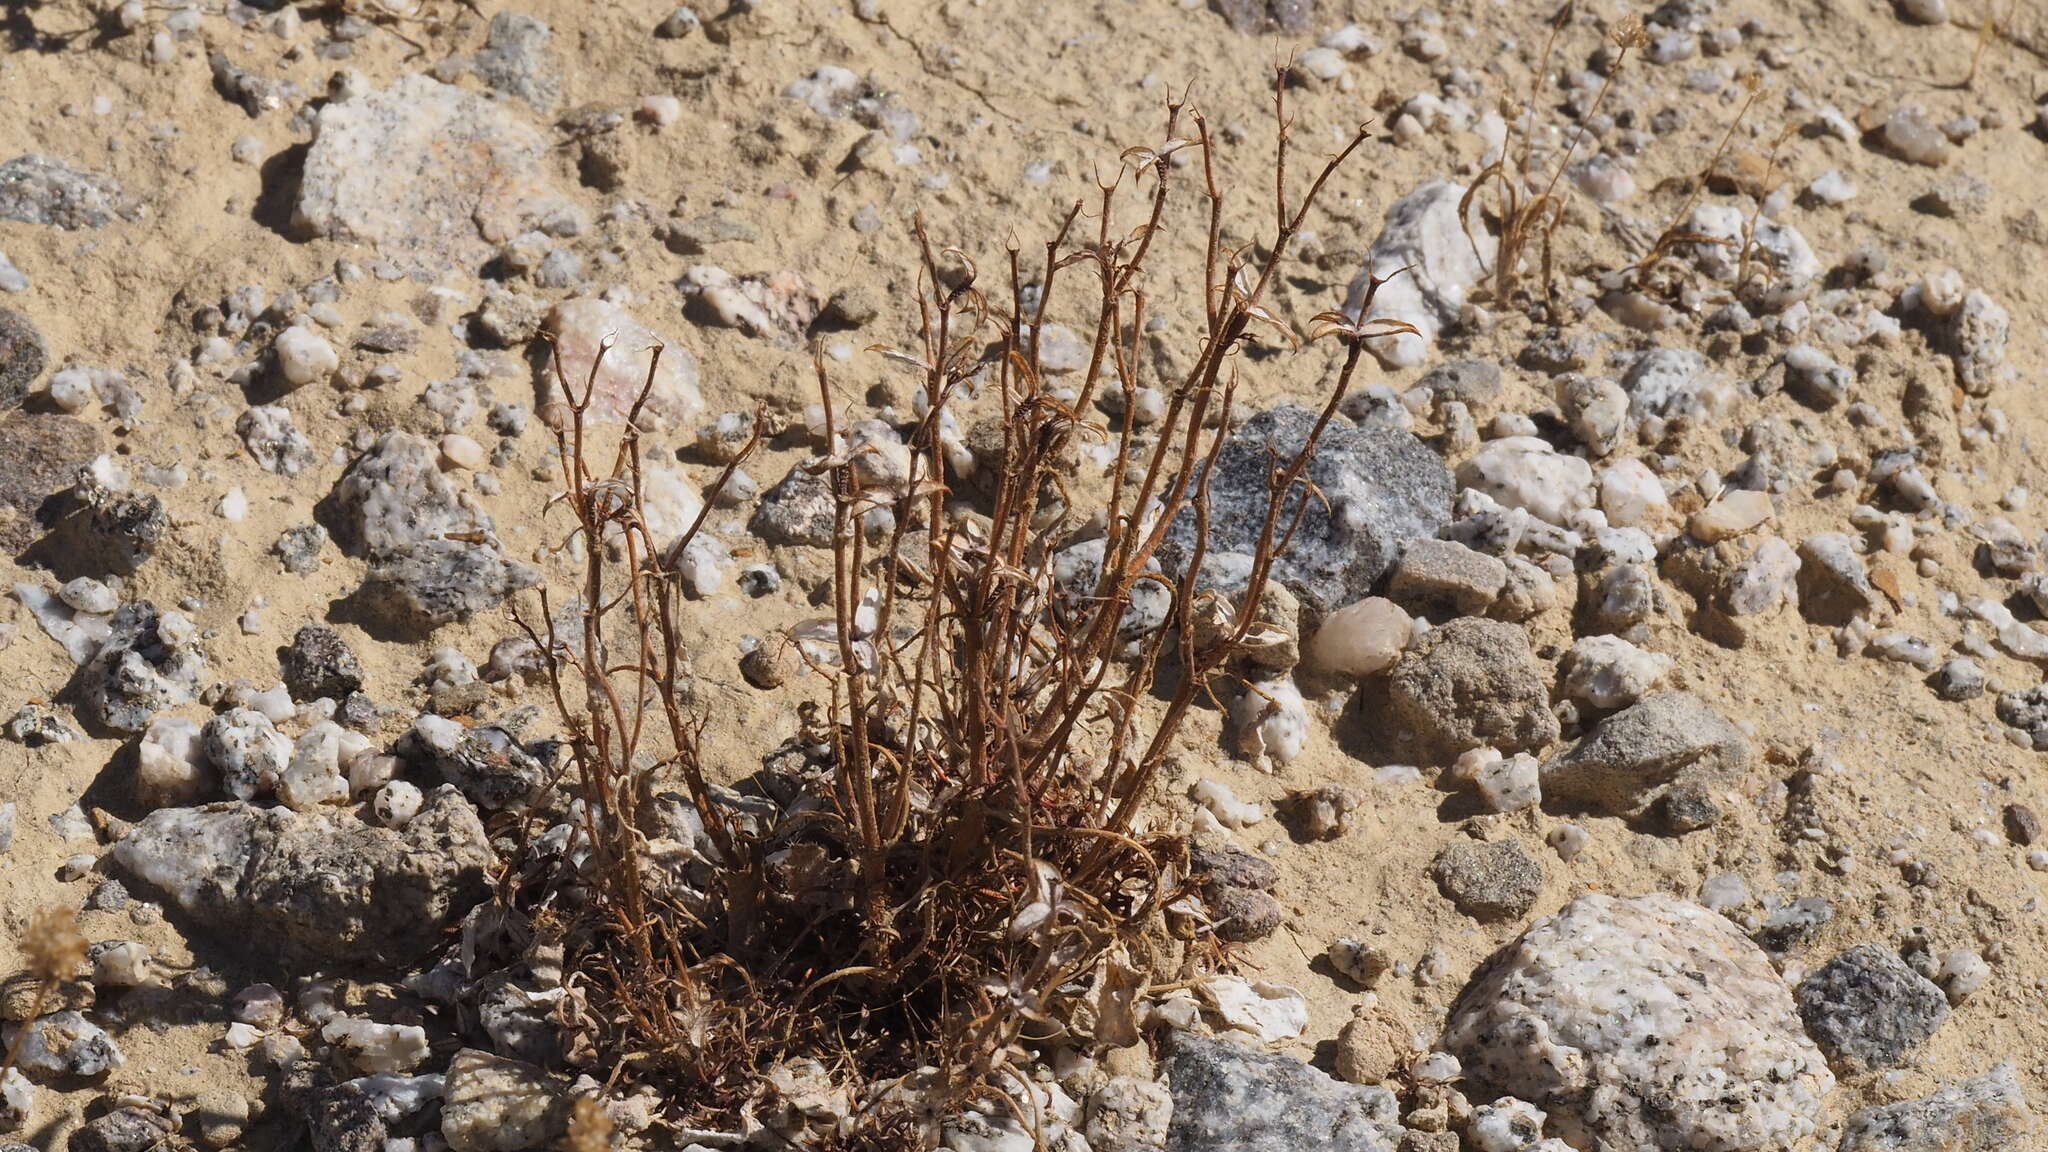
x,y
590,1127
1629,33
53,944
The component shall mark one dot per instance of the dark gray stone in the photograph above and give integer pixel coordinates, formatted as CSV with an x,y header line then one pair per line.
x,y
1232,866
486,762
1638,753
255,92
38,189
1867,1009
344,1118
1383,488
1687,808
139,671
125,526
798,510
124,1130
1473,683
1254,17
23,356
1235,886
2027,710
319,664
329,887
1791,925
2022,826
40,454
1985,1113
1228,1098
437,582
1497,881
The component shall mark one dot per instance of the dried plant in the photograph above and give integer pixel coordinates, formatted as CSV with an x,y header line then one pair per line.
x,y
55,950
590,1127
950,864
1765,186
1679,233
1989,26
1522,214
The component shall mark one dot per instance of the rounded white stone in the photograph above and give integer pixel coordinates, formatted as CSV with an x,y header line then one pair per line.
x,y
304,356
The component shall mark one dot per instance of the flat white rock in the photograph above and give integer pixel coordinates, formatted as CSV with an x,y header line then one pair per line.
x,y
1423,234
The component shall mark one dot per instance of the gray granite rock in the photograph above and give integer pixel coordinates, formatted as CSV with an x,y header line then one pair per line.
x,y
37,189
1868,1009
1633,756
516,60
1985,1113
298,548
328,888
1077,569
486,762
1384,488
438,582
395,496
1229,1098
799,509
1641,1024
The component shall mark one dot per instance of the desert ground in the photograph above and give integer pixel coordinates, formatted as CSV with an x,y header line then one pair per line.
x,y
1677,641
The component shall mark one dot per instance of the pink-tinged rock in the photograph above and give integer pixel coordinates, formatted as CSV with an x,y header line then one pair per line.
x,y
581,328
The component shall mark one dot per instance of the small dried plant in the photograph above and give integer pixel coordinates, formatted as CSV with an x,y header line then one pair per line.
x,y
590,1127
55,951
950,864
1522,214
1679,234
